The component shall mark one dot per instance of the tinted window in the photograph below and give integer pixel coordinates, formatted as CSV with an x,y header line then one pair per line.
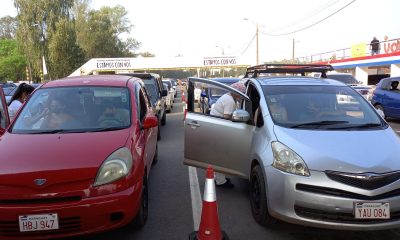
x,y
75,109
347,79
295,105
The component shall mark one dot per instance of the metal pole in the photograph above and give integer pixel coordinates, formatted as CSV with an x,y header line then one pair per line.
x,y
293,50
257,45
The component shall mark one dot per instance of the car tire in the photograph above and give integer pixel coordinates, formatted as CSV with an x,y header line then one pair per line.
x,y
164,119
140,220
155,158
258,198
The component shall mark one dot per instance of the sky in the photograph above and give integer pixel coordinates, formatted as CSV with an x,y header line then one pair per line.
x,y
206,28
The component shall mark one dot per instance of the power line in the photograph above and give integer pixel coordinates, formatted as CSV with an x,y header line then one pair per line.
x,y
304,28
309,15
251,41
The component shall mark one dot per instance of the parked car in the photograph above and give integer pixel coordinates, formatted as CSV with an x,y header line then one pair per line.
x,y
308,158
171,85
157,93
8,84
350,80
82,162
211,95
387,98
169,100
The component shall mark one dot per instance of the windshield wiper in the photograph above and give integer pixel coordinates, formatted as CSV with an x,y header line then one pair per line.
x,y
318,124
361,126
108,129
53,131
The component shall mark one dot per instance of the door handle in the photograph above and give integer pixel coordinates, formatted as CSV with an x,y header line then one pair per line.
x,y
193,124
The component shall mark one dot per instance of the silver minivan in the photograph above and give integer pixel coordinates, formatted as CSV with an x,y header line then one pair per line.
x,y
309,158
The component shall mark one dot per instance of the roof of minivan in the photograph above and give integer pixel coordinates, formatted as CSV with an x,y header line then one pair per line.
x,y
92,80
291,80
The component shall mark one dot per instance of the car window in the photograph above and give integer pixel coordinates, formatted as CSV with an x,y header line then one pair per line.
x,y
142,105
3,123
75,109
344,78
297,105
152,92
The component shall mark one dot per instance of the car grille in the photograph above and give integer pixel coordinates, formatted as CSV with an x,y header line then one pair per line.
x,y
345,194
40,200
367,181
67,225
340,217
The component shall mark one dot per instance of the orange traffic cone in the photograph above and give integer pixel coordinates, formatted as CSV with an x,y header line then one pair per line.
x,y
210,228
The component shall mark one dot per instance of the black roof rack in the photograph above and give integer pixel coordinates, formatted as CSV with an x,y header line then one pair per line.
x,y
288,68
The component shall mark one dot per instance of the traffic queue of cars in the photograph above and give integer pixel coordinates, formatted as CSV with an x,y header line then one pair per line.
x,y
306,154
308,157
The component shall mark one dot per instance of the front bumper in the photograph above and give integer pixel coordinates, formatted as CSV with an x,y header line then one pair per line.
x,y
318,201
86,216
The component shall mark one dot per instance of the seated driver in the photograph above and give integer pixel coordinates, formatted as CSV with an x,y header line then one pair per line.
x,y
113,116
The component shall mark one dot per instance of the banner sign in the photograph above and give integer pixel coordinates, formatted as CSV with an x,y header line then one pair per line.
x,y
113,64
219,61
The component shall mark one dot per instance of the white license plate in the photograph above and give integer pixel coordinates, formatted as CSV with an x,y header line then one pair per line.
x,y
42,222
371,210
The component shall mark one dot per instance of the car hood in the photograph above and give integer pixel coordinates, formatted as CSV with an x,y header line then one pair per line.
x,y
375,151
58,158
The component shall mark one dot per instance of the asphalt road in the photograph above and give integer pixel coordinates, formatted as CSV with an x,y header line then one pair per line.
x,y
170,204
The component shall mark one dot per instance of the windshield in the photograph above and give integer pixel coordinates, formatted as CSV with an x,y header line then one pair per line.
x,y
344,78
75,109
327,107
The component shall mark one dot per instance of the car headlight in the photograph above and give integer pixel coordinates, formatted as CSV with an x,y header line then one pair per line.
x,y
116,166
285,159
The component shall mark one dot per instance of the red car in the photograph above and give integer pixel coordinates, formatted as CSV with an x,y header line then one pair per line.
x,y
76,159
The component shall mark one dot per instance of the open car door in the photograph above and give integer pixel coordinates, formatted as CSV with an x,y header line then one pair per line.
x,y
210,140
4,118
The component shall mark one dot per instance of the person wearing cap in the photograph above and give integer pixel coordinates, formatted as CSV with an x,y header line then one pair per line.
x,y
224,108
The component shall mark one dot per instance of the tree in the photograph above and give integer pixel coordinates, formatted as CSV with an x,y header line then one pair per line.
x,y
37,19
99,31
8,27
64,53
12,62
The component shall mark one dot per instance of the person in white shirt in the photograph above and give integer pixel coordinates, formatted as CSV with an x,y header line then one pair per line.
x,y
19,98
224,107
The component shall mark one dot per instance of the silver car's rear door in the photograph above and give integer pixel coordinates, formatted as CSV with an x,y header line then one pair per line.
x,y
210,140
4,118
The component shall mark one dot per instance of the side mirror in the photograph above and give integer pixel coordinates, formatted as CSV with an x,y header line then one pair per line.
x,y
150,122
164,93
240,115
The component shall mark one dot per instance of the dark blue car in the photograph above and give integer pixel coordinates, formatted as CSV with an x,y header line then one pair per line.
x,y
386,97
210,95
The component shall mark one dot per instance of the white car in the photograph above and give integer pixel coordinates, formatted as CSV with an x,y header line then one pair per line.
x,y
169,101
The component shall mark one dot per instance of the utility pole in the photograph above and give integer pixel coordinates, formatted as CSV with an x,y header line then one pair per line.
x,y
257,60
293,50
257,34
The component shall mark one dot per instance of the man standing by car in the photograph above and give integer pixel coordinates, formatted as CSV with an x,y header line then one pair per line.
x,y
224,108
375,46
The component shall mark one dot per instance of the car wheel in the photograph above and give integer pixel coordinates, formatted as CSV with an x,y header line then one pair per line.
x,y
164,119
258,199
155,158
141,217
380,107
